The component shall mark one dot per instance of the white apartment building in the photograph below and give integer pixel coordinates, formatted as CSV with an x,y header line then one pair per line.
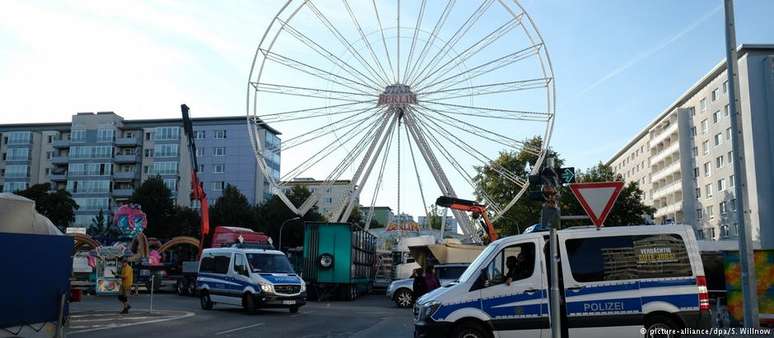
x,y
331,195
683,159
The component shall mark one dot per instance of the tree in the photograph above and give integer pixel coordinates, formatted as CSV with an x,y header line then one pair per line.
x,y
434,218
58,206
102,227
155,199
232,208
272,213
627,210
185,222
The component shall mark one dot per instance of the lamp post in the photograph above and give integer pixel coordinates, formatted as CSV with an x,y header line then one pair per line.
x,y
283,226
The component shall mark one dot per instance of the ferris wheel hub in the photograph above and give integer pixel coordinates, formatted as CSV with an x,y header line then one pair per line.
x,y
397,96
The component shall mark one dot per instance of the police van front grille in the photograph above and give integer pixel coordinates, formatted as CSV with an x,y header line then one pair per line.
x,y
287,289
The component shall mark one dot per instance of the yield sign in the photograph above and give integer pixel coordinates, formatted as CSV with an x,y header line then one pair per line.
x,y
597,198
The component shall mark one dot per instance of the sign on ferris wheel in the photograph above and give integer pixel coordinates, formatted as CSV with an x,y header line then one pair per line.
x,y
400,101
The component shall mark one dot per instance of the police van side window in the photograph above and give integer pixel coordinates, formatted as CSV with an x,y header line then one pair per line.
x,y
221,264
208,264
516,262
240,266
627,257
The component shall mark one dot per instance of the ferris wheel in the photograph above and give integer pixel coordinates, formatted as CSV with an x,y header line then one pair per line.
x,y
397,102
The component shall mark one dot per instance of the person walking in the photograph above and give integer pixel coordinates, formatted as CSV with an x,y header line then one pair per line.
x,y
431,280
127,278
419,287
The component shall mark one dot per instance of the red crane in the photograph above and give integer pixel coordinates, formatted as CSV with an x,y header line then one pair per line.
x,y
478,211
197,188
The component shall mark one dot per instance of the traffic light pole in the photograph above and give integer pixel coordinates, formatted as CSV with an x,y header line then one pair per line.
x,y
551,217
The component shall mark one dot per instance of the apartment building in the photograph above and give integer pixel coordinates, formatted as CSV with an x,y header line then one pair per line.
x,y
683,159
100,158
331,196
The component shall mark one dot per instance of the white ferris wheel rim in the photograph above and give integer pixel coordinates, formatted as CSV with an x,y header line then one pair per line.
x,y
356,81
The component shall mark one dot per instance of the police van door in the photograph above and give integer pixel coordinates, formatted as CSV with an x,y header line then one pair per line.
x,y
514,293
601,286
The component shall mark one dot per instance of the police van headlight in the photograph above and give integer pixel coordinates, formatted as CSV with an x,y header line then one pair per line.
x,y
303,286
326,260
426,310
268,288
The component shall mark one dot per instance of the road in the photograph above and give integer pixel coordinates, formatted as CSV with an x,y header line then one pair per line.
x,y
371,316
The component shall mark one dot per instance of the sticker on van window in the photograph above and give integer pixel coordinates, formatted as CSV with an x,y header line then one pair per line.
x,y
655,255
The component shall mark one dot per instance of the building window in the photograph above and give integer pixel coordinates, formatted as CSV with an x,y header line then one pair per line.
x,y
171,184
707,169
721,184
733,204
78,135
166,133
716,116
698,192
201,168
725,87
725,110
708,191
165,168
148,152
165,150
217,186
730,158
17,171
49,155
14,186
18,154
200,152
703,104
704,126
715,94
145,169
220,134
731,180
696,172
719,161
147,136
199,134
220,151
705,147
728,134
693,131
699,214
695,151
105,135
718,139
219,168
710,213
723,208
50,139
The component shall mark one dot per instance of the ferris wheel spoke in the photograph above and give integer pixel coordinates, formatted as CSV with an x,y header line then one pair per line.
x,y
474,49
428,43
417,27
309,92
486,67
348,45
316,72
331,57
416,171
496,113
322,153
320,132
364,38
486,89
312,113
472,151
456,37
384,40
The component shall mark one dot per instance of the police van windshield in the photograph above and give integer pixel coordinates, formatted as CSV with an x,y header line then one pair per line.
x,y
473,269
269,263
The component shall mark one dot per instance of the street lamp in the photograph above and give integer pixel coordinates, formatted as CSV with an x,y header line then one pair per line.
x,y
283,226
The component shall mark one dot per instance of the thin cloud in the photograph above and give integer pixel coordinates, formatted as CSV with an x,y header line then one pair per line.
x,y
650,52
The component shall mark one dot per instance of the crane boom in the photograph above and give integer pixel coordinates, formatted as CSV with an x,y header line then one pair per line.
x,y
469,206
197,188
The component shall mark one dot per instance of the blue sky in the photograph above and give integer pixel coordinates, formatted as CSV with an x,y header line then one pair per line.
x,y
617,64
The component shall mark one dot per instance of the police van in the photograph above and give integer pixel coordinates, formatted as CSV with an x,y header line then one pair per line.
x,y
616,282
249,277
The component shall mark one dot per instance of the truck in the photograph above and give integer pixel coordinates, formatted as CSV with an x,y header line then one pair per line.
x,y
339,260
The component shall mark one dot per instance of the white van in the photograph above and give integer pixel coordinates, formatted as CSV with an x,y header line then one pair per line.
x,y
251,278
616,282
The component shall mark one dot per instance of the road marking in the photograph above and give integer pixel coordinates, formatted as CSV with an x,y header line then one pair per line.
x,y
115,326
238,329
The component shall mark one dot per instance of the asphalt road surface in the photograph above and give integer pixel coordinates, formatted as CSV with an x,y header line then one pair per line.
x,y
174,316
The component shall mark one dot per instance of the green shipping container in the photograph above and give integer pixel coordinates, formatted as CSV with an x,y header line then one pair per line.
x,y
339,260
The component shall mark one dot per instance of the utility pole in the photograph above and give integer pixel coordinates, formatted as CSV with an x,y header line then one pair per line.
x,y
746,259
550,217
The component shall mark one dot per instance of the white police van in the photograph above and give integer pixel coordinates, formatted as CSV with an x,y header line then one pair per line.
x,y
251,278
616,282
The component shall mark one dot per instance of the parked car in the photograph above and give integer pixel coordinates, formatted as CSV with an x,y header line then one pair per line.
x,y
622,281
402,291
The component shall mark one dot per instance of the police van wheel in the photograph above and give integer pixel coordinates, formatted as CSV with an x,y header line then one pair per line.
x,y
205,301
404,298
181,288
659,326
469,331
248,302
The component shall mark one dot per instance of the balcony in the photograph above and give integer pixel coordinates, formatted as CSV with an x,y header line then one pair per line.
x,y
61,159
662,173
62,177
128,141
124,175
668,189
663,135
60,143
670,150
669,209
126,158
123,193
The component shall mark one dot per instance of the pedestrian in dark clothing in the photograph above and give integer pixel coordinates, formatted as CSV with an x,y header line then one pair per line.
x,y
419,284
431,280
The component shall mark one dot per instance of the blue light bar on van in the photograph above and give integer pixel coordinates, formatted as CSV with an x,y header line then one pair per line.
x,y
535,228
264,246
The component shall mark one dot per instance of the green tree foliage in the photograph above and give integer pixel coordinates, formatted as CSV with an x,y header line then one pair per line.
x,y
627,210
58,206
102,227
273,212
185,222
434,218
156,202
232,209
